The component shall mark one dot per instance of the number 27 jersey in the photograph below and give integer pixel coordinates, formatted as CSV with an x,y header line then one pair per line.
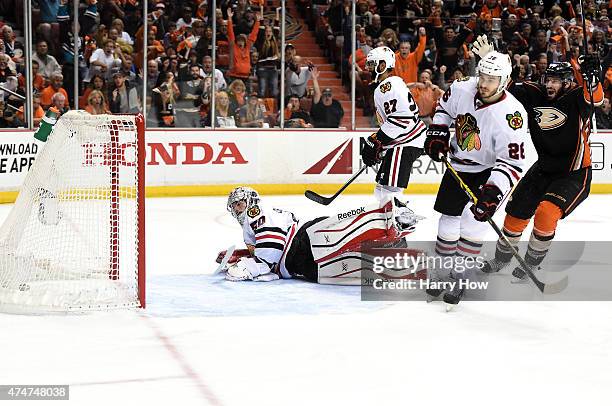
x,y
398,114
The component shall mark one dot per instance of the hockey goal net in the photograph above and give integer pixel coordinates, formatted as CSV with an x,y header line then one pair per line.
x,y
74,239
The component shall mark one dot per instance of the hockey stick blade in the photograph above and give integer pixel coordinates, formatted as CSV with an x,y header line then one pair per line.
x,y
315,197
555,287
225,260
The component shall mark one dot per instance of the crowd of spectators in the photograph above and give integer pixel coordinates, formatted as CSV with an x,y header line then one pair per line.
x,y
431,39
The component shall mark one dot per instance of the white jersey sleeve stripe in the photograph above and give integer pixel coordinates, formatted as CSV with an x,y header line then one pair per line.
x,y
270,235
508,170
505,174
396,123
516,168
415,133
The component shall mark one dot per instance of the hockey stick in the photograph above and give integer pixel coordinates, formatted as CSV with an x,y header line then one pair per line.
x,y
586,51
315,197
225,260
546,288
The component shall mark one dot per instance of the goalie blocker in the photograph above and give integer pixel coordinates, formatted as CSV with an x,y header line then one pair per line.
x,y
324,250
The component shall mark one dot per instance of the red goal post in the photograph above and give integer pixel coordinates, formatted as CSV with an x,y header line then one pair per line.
x,y
75,238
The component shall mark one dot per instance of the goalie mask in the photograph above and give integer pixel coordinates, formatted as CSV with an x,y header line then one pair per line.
x,y
243,193
375,59
496,64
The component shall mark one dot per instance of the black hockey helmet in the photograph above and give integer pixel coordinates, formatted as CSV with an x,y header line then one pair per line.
x,y
561,70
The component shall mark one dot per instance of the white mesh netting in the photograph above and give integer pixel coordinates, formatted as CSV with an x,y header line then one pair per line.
x,y
71,240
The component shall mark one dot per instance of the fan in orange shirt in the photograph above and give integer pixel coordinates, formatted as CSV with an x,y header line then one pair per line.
x,y
426,94
55,86
37,110
491,8
38,82
240,48
406,62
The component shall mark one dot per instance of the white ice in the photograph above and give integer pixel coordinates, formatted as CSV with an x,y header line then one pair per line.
x,y
203,340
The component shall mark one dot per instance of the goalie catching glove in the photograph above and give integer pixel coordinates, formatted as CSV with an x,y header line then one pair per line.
x,y
246,269
371,150
437,141
490,197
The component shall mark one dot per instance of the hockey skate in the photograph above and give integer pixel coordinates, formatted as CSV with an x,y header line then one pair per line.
x,y
520,275
533,265
493,266
454,296
405,218
433,293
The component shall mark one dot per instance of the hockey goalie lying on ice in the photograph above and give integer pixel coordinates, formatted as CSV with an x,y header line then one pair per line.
x,y
324,250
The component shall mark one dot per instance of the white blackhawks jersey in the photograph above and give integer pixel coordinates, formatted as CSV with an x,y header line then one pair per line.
x,y
486,135
398,114
270,231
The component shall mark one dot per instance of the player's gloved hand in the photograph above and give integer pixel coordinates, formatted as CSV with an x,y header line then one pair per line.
x,y
482,46
235,256
240,271
516,72
437,141
371,151
489,199
590,68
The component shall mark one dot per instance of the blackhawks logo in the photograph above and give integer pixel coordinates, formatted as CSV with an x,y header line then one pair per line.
x,y
253,211
515,121
468,133
385,87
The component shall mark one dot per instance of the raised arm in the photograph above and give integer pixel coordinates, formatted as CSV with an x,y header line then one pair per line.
x,y
420,49
255,31
230,26
315,83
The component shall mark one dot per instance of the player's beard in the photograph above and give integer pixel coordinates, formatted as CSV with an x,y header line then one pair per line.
x,y
486,94
551,93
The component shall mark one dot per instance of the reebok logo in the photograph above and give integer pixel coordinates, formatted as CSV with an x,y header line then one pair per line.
x,y
351,213
340,160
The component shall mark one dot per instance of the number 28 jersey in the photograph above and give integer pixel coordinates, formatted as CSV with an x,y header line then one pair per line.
x,y
486,135
398,115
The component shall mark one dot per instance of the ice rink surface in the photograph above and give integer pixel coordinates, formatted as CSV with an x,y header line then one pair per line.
x,y
205,341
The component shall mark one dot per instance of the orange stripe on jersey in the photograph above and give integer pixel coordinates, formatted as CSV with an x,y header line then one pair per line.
x,y
598,94
582,156
586,157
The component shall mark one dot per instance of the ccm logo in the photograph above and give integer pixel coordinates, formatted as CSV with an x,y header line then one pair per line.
x,y
351,213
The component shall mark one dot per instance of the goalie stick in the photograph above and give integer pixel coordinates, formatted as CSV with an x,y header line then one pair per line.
x,y
546,288
225,260
315,197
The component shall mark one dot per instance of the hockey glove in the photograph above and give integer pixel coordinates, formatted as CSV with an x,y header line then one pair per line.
x,y
235,256
490,197
590,68
371,150
437,141
482,46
